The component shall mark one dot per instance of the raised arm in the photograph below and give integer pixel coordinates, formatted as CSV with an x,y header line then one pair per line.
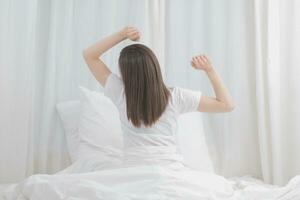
x,y
222,102
93,53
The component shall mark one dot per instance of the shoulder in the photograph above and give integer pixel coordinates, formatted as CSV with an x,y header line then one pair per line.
x,y
175,95
178,93
114,88
185,100
112,80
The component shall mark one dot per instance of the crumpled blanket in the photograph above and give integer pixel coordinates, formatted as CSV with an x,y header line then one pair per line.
x,y
93,179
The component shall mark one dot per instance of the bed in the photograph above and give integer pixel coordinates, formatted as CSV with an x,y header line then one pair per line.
x,y
98,170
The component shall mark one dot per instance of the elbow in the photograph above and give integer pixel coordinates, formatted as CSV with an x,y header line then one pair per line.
x,y
229,107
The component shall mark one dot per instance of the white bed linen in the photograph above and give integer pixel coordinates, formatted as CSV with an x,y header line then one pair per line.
x,y
92,178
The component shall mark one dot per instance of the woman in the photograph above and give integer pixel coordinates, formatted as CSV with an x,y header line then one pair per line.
x,y
148,109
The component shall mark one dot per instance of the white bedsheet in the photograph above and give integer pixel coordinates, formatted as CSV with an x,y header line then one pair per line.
x,y
93,178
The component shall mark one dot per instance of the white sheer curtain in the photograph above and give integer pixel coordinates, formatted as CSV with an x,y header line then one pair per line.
x,y
277,41
41,65
253,45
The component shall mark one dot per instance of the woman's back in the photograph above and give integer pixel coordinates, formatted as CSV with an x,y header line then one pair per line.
x,y
156,143
163,131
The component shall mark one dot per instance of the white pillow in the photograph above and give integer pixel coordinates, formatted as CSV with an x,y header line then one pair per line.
x,y
192,142
99,127
69,113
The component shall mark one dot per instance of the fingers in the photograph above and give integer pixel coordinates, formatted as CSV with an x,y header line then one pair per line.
x,y
202,58
193,64
135,36
132,33
196,63
130,28
200,61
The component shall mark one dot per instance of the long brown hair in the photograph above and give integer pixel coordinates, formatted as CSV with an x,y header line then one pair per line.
x,y
146,94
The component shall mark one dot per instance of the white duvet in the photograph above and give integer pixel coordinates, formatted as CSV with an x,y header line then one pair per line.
x,y
94,178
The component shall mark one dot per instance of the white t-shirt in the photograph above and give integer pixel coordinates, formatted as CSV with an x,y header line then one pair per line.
x,y
163,131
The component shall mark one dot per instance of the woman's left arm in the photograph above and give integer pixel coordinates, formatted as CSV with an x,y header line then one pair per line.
x,y
92,54
222,102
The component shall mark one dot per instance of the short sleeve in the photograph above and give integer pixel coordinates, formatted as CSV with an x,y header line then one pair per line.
x,y
186,100
113,88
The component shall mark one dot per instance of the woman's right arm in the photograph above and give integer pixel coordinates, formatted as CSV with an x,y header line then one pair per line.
x,y
223,101
93,53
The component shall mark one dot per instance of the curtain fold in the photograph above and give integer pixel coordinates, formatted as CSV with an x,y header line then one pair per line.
x,y
275,64
156,26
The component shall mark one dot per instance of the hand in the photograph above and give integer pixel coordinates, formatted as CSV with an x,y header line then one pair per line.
x,y
130,32
201,62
